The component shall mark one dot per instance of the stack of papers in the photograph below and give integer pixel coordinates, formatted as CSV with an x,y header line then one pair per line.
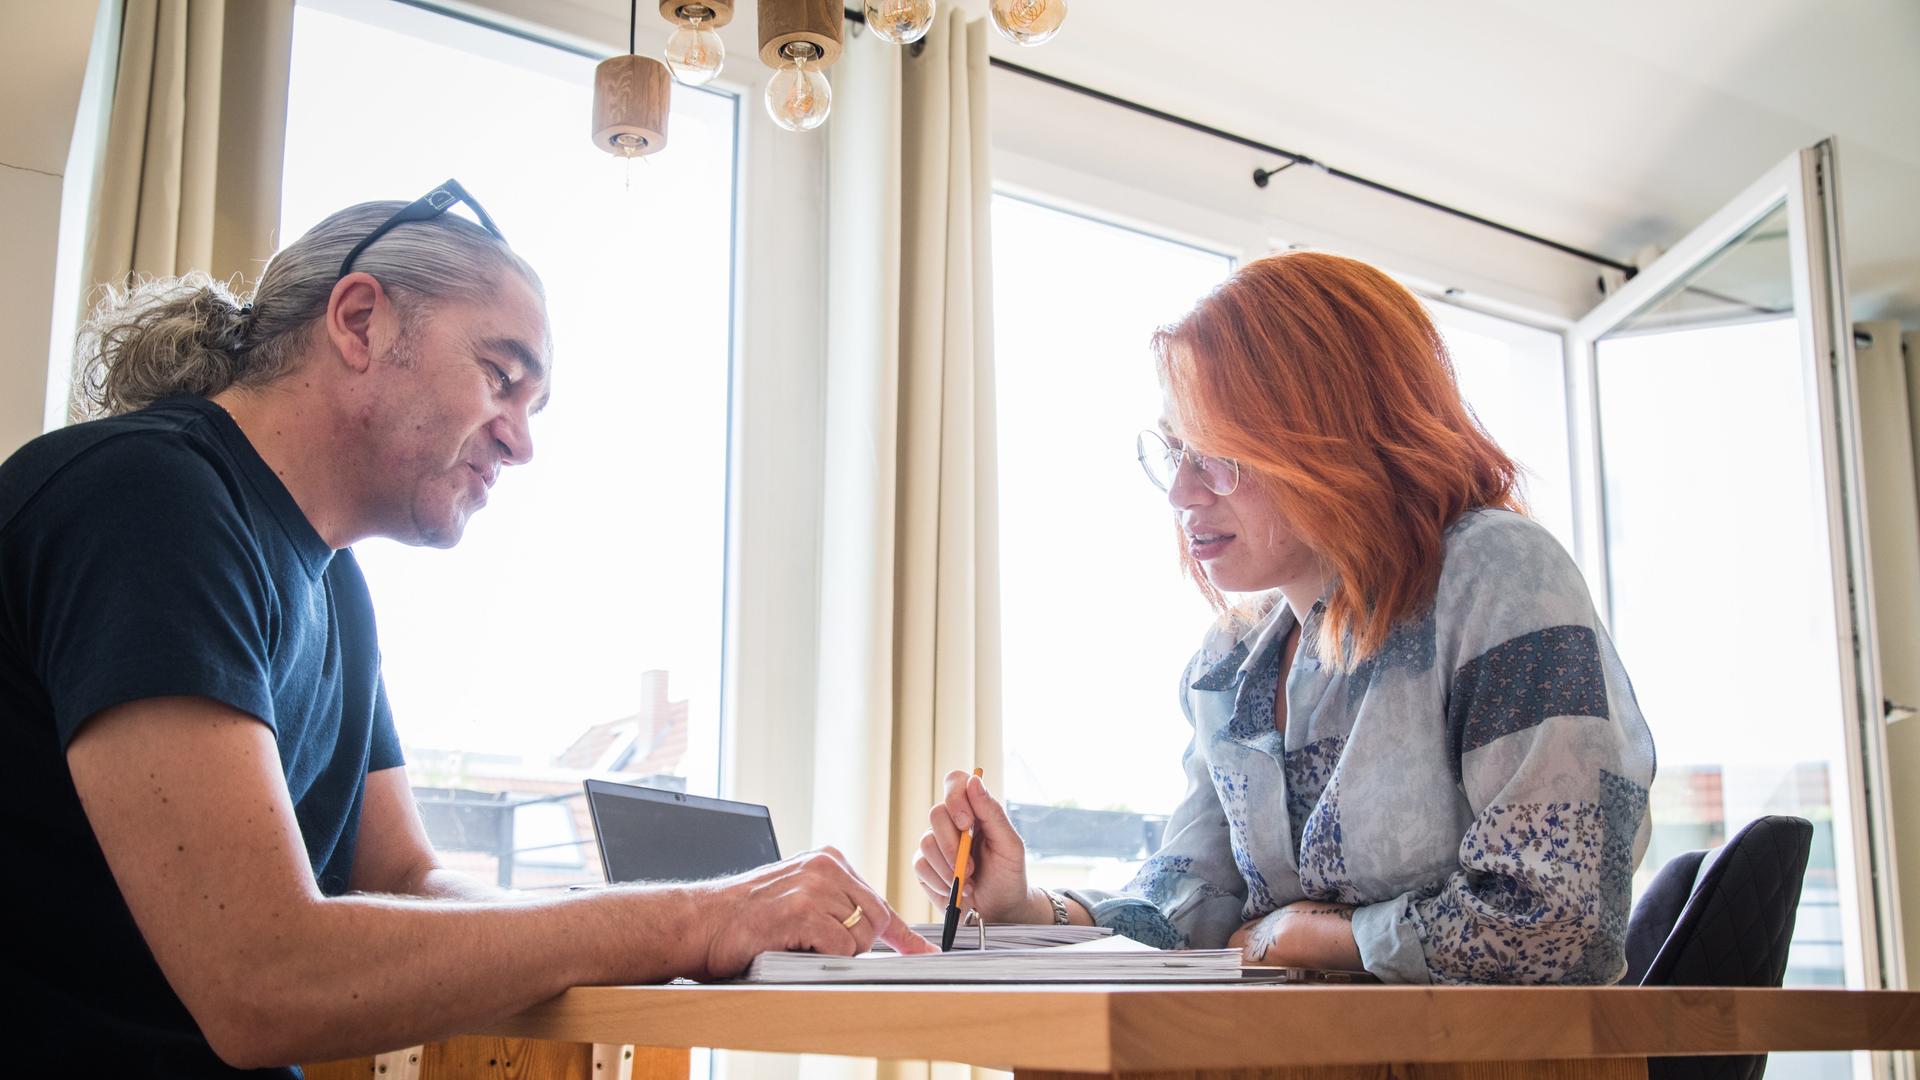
x,y
1107,959
1010,935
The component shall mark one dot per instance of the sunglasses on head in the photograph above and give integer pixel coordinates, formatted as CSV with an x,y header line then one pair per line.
x,y
425,208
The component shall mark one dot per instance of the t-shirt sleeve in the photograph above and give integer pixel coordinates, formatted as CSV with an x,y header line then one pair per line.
x,y
140,579
384,752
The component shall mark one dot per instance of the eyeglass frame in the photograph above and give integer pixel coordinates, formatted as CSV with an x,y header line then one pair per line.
x,y
425,208
1181,456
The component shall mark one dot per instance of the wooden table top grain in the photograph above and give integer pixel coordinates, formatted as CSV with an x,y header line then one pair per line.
x,y
1104,1029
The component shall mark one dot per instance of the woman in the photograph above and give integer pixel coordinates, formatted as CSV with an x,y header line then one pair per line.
x,y
1415,751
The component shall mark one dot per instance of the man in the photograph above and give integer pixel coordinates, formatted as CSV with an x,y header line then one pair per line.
x,y
207,817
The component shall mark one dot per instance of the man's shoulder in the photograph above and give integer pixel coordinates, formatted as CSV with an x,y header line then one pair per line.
x,y
168,450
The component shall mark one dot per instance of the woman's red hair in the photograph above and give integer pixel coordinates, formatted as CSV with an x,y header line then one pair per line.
x,y
1325,379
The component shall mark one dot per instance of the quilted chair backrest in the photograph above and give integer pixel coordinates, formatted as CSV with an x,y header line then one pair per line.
x,y
1733,931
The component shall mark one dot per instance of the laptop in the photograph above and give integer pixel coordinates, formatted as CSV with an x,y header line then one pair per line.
x,y
650,834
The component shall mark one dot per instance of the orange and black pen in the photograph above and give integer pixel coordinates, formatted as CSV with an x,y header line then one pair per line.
x,y
953,898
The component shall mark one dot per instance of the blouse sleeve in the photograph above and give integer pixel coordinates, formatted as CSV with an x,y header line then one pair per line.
x,y
1189,892
1555,760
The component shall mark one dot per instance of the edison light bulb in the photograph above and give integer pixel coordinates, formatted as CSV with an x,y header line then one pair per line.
x,y
1028,22
798,97
695,53
902,22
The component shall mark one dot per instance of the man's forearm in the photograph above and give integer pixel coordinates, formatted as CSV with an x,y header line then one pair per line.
x,y
358,971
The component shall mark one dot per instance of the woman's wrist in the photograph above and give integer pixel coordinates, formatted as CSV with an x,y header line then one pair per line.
x,y
1039,907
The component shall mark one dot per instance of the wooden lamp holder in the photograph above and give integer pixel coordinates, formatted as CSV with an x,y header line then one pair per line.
x,y
631,95
722,12
782,22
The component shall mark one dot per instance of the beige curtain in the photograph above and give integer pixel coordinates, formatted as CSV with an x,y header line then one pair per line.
x,y
909,636
909,663
1891,458
191,172
1890,455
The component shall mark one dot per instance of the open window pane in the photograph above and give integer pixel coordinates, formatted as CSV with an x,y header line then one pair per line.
x,y
1722,580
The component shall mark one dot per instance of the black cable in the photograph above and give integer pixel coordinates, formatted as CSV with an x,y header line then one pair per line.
x,y
633,28
1262,176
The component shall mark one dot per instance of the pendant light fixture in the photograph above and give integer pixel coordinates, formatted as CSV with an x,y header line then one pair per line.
x,y
694,52
800,39
631,95
1028,22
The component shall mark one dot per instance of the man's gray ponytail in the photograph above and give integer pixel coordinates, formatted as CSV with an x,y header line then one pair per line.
x,y
185,335
193,335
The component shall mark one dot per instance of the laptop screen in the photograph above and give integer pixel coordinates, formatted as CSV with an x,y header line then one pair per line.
x,y
647,834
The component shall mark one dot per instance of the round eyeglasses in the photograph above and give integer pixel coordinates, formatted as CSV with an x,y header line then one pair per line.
x,y
1162,461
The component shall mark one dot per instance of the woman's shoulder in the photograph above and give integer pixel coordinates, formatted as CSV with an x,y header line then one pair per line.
x,y
1506,574
1506,543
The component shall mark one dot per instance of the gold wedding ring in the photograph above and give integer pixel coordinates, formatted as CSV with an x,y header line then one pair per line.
x,y
850,920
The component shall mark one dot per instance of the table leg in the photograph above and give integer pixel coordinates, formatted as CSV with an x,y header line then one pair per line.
x,y
1575,1069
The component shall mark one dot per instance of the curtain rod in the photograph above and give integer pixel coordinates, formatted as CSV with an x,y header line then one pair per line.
x,y
1262,176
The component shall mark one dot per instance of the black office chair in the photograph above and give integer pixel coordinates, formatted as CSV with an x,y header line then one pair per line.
x,y
1721,918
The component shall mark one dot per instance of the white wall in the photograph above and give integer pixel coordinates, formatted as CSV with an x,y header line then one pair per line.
x,y
43,64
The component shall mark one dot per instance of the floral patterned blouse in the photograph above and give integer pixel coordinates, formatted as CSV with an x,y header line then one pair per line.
x,y
1478,788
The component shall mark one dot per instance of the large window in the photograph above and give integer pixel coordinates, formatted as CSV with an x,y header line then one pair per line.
x,y
1097,619
576,630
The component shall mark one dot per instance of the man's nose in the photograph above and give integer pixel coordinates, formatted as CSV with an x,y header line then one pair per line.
x,y
514,433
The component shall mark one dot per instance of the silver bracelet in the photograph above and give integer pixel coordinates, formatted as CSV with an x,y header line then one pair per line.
x,y
1059,907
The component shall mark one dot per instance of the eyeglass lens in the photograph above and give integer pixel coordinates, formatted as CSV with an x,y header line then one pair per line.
x,y
1162,464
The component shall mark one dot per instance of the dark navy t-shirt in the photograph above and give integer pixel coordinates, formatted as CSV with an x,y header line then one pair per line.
x,y
148,555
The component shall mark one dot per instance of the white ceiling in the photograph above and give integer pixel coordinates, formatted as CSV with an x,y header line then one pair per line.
x,y
1611,127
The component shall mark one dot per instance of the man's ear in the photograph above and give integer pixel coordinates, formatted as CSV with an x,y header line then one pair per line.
x,y
360,320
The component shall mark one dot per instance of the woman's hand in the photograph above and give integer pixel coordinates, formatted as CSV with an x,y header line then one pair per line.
x,y
1305,933
996,884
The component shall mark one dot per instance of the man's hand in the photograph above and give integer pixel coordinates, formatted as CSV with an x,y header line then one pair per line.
x,y
996,884
1305,933
800,905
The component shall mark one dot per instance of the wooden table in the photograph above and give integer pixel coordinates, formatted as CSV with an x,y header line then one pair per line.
x,y
1193,1032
